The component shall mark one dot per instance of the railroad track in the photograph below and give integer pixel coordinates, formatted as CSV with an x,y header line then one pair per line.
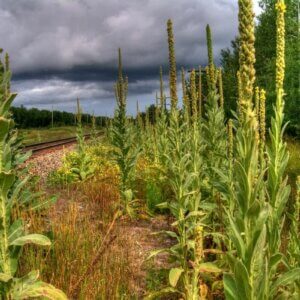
x,y
51,144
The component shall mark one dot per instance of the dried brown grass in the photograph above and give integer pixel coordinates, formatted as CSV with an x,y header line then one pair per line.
x,y
84,261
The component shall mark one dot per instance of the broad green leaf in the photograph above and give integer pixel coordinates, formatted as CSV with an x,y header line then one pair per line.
x,y
167,232
174,276
242,280
4,128
37,289
6,182
162,205
209,267
158,294
30,278
236,237
156,252
230,287
7,102
15,230
37,239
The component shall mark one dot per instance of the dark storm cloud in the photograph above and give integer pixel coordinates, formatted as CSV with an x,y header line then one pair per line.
x,y
61,49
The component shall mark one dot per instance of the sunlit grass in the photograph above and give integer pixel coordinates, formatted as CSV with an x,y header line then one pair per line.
x,y
38,135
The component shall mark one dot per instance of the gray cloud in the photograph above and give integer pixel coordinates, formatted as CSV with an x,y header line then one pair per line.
x,y
63,49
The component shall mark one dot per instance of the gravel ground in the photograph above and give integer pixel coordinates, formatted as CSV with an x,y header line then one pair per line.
x,y
45,162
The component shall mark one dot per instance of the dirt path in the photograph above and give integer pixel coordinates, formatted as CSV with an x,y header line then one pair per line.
x,y
140,241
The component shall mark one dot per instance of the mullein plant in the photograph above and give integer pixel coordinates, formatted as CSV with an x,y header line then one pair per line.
x,y
123,138
172,66
184,167
185,98
82,168
277,157
220,87
162,125
12,232
200,92
262,126
255,225
247,225
16,141
293,253
214,132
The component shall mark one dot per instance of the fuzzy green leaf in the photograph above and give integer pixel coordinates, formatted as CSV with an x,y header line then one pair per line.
x,y
36,289
229,287
174,276
37,239
209,267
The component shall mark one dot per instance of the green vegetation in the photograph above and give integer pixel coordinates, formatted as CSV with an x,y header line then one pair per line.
x,y
13,233
122,139
221,197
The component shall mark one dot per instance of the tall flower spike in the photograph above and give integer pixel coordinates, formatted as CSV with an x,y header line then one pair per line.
x,y
239,100
211,67
183,82
193,95
120,72
280,45
257,95
172,66
200,92
230,140
246,54
262,117
208,78
121,85
221,88
198,245
79,112
161,89
185,98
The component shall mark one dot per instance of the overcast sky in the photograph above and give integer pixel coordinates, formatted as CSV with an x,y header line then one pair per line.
x,y
64,49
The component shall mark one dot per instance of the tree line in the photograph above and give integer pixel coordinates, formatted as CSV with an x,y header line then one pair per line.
x,y
33,117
